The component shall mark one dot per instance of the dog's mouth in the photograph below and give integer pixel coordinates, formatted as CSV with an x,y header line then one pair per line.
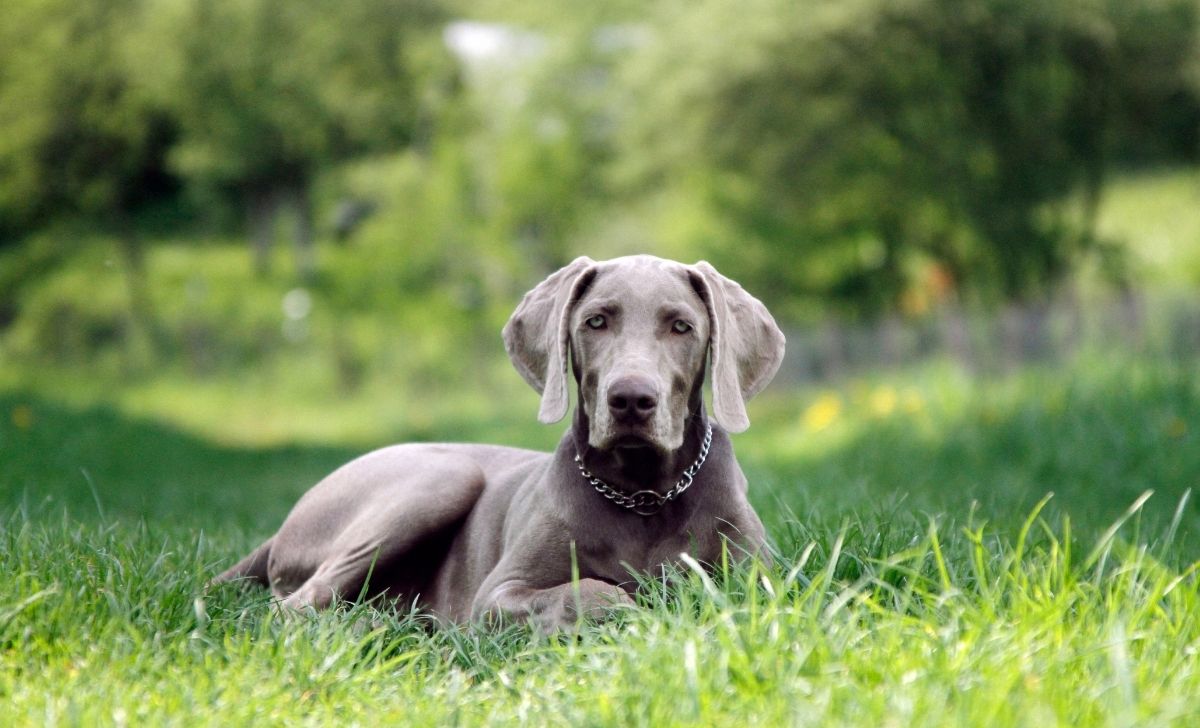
x,y
632,442
628,436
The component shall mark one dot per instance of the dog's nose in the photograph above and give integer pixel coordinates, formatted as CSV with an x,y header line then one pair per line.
x,y
632,399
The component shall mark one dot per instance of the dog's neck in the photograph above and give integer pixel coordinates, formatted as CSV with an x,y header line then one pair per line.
x,y
642,468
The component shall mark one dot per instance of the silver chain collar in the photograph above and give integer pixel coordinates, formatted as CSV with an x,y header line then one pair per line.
x,y
648,502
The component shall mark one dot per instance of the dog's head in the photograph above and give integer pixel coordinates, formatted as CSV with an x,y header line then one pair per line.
x,y
636,331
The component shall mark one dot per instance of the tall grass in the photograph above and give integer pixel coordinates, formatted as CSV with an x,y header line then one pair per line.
x,y
110,624
922,575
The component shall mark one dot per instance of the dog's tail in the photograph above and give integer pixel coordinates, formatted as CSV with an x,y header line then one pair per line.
x,y
253,568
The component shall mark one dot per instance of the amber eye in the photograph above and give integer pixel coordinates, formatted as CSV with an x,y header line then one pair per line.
x,y
595,322
681,327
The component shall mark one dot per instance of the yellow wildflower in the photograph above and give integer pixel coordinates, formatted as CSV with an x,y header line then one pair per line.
x,y
883,401
823,412
913,402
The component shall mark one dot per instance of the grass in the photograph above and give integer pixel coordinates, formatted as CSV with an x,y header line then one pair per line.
x,y
1154,213
923,577
1022,633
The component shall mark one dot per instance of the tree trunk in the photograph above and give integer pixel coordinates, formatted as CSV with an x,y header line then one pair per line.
x,y
261,205
145,341
300,199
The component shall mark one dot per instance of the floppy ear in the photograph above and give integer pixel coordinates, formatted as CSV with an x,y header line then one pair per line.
x,y
536,335
745,345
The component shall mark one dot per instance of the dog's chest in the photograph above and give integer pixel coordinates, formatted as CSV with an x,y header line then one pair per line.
x,y
646,547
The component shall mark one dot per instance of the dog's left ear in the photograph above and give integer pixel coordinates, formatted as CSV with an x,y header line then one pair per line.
x,y
745,344
536,336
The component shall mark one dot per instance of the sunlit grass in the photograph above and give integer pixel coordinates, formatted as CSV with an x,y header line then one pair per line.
x,y
109,624
1154,214
922,575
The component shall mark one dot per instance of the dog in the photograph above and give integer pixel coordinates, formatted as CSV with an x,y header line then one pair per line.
x,y
488,533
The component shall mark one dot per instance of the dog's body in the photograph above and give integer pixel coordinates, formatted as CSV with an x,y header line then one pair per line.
x,y
470,531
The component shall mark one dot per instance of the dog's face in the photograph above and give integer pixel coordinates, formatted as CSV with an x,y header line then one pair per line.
x,y
639,334
636,331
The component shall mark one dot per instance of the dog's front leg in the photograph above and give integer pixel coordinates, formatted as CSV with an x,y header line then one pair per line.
x,y
554,609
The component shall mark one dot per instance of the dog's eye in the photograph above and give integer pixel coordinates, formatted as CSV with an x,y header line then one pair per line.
x,y
681,327
595,322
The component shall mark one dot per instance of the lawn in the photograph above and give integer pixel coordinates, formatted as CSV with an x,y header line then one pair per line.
x,y
922,576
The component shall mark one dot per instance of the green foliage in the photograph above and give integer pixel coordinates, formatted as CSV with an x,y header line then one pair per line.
x,y
873,154
78,136
392,328
265,94
859,156
872,144
75,315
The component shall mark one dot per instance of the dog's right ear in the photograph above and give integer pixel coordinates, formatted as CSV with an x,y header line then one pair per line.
x,y
537,334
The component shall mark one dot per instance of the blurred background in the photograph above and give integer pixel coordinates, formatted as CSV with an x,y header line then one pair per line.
x,y
271,224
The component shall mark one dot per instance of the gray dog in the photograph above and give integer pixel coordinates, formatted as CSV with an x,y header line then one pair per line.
x,y
482,531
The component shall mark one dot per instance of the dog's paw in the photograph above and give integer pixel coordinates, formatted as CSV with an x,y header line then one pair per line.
x,y
566,607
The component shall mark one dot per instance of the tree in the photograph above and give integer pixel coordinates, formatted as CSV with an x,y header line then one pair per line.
x,y
543,103
78,138
861,144
266,93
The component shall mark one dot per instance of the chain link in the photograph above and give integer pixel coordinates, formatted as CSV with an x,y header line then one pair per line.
x,y
648,502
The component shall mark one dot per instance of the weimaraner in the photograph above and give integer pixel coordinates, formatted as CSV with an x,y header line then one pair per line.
x,y
477,532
